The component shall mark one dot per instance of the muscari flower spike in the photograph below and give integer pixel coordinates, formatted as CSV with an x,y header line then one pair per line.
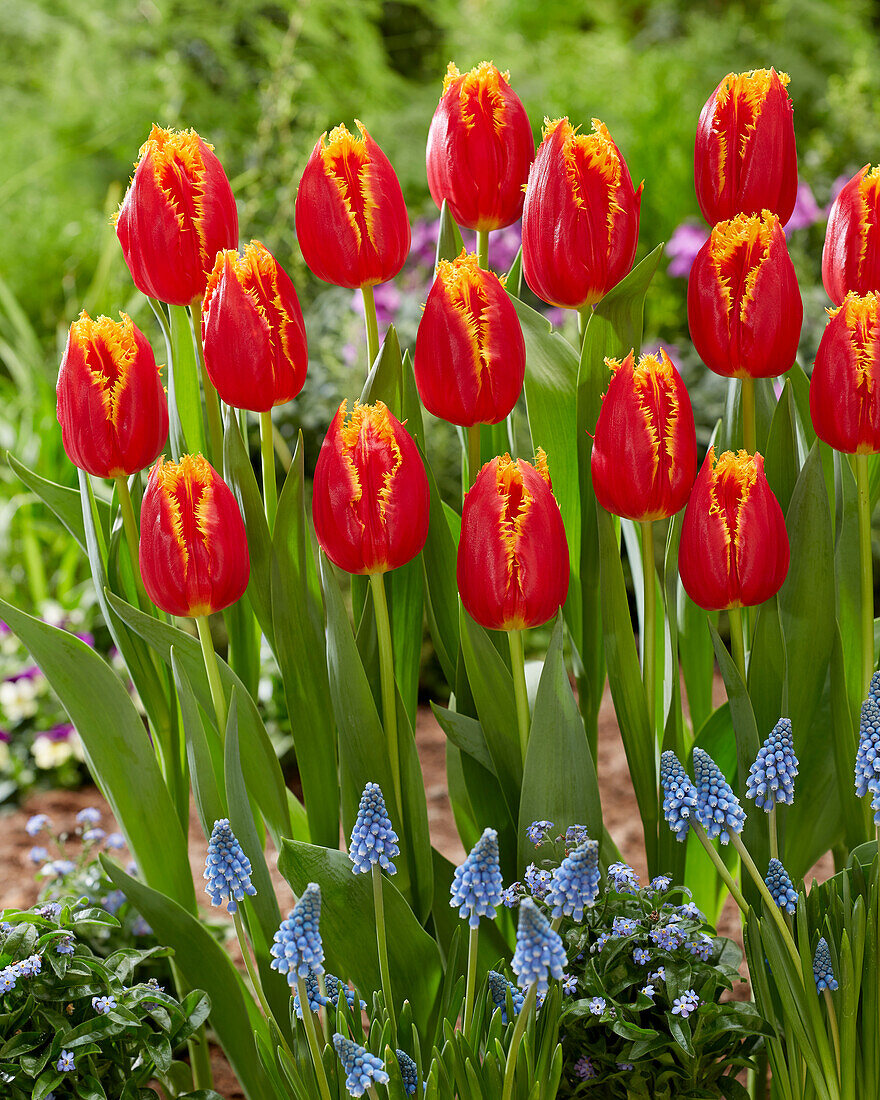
x,y
771,777
409,1072
867,774
476,886
361,1067
297,947
316,998
498,987
718,809
539,950
822,969
575,882
373,839
679,794
781,887
227,868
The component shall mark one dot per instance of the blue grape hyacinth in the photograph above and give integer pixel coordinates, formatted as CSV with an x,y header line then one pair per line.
x,y
539,950
679,794
822,969
718,808
316,998
409,1072
498,990
476,886
373,839
227,869
771,777
868,757
297,947
781,887
361,1067
575,882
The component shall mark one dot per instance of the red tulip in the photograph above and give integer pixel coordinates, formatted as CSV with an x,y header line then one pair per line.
x,y
370,500
744,305
480,146
470,354
851,257
581,216
844,394
351,219
745,159
176,216
194,553
111,404
734,546
512,554
645,449
253,330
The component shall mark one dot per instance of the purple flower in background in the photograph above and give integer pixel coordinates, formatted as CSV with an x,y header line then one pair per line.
x,y
116,840
806,210
88,816
38,854
85,636
59,733
37,823
836,187
4,736
682,248
424,242
29,673
583,1067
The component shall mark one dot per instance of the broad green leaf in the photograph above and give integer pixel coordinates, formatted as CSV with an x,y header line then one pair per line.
x,y
857,818
210,803
441,588
117,748
557,751
767,671
449,242
696,655
63,501
781,459
184,391
848,577
465,733
348,928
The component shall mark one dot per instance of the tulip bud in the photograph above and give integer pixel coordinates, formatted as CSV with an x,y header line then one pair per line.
x,y
480,146
580,218
744,304
351,219
745,159
513,553
844,394
111,404
176,216
370,500
194,553
253,330
734,546
645,449
851,257
470,356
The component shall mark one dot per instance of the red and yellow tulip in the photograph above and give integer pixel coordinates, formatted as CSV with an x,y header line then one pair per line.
x,y
851,257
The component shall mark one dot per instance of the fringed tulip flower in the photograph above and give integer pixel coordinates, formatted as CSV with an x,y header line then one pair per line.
x,y
111,404
580,218
512,554
470,355
178,213
480,146
351,220
745,159
194,553
744,305
844,394
734,546
645,447
851,257
370,500
253,331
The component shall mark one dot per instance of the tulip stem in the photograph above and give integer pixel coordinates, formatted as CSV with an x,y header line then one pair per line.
x,y
867,564
649,614
483,248
213,671
750,434
129,524
389,689
372,326
382,945
516,1039
737,646
473,436
267,453
518,668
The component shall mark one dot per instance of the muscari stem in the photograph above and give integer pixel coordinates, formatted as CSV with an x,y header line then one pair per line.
x,y
518,668
213,671
309,1025
267,454
516,1039
249,966
386,670
129,524
483,248
725,875
750,434
737,645
649,639
473,452
382,945
867,569
372,324
835,1032
470,985
212,401
774,838
770,905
